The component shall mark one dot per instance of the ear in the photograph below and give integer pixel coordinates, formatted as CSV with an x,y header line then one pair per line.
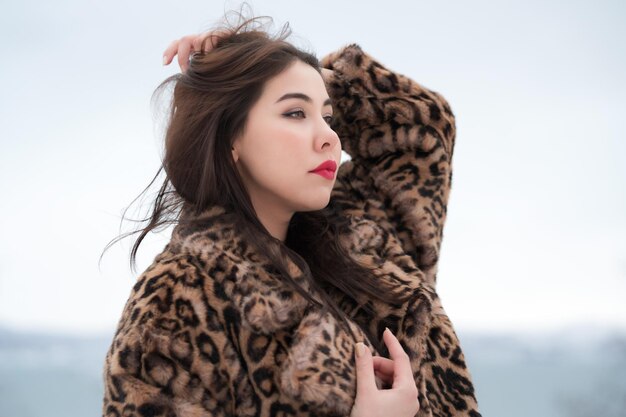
x,y
235,150
235,154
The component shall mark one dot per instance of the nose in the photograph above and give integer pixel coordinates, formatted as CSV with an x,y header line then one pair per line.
x,y
326,138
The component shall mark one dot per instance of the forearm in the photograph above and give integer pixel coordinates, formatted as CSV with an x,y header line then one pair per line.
x,y
400,136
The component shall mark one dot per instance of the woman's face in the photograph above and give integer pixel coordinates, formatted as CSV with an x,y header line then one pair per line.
x,y
287,135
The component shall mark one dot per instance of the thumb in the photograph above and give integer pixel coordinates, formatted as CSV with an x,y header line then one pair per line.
x,y
365,380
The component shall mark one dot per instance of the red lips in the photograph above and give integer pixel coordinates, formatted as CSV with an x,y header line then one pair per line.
x,y
326,169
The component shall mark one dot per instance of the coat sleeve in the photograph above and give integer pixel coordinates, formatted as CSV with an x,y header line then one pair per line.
x,y
167,356
444,382
400,136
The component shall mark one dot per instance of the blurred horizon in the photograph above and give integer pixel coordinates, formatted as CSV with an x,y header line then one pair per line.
x,y
543,378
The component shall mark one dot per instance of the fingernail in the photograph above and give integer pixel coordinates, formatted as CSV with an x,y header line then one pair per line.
x,y
164,60
360,349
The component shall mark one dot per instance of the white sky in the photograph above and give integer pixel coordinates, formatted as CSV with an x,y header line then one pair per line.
x,y
536,231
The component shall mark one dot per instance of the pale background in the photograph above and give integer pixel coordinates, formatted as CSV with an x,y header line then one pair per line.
x,y
535,241
536,232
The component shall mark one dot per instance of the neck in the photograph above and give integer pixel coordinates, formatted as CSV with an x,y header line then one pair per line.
x,y
274,219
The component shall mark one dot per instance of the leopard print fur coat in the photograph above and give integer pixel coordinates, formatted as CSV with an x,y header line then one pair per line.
x,y
209,330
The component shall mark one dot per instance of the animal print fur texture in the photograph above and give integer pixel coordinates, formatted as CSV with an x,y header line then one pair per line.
x,y
209,329
400,136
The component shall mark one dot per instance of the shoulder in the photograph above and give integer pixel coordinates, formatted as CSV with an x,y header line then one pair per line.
x,y
170,295
210,280
170,335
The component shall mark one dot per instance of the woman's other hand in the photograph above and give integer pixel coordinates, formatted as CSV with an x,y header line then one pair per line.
x,y
398,401
187,45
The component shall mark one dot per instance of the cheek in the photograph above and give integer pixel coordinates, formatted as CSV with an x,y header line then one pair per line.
x,y
289,158
288,144
279,156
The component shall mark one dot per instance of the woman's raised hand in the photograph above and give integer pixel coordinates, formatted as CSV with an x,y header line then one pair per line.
x,y
187,45
398,401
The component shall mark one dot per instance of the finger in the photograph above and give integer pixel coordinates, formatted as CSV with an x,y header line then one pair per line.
x,y
169,52
365,380
206,43
386,379
401,363
196,44
383,366
213,38
184,49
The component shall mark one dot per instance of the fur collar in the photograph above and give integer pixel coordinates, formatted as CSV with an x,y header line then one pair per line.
x,y
267,305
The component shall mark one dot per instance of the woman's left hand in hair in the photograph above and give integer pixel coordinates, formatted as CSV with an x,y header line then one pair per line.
x,y
187,45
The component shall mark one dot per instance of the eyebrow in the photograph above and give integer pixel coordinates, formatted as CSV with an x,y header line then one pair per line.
x,y
302,97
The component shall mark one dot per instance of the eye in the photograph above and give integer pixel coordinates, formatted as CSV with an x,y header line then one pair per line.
x,y
296,114
329,119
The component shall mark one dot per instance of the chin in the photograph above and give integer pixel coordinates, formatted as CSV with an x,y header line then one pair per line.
x,y
315,205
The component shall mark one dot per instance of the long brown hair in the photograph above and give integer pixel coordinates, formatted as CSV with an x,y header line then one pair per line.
x,y
209,107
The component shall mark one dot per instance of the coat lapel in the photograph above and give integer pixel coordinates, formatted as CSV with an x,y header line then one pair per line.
x,y
319,366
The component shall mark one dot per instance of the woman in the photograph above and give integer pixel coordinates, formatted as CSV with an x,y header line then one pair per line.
x,y
286,278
